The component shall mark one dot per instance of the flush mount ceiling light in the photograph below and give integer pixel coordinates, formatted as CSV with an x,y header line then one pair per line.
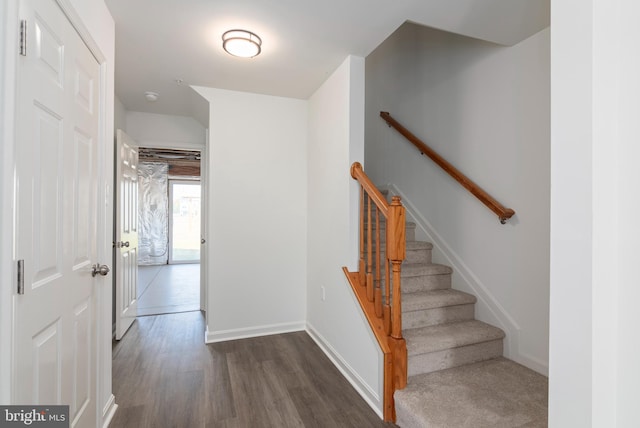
x,y
152,97
242,43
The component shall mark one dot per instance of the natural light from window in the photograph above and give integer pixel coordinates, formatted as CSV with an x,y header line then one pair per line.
x,y
185,221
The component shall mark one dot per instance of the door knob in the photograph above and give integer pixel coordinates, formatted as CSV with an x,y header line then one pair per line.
x,y
96,269
202,241
121,244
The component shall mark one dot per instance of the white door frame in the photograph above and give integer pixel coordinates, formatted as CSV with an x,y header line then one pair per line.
x,y
9,19
204,226
8,79
204,183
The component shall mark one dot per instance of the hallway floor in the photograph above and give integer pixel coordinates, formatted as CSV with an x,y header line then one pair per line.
x,y
165,376
167,289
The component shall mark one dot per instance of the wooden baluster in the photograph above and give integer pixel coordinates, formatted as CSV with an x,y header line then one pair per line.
x,y
386,309
378,290
361,267
396,253
369,253
387,298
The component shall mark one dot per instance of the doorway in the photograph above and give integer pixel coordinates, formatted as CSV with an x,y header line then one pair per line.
x,y
169,212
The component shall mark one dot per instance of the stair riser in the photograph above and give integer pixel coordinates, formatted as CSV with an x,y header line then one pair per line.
x,y
454,357
413,284
410,235
421,255
412,256
427,317
418,256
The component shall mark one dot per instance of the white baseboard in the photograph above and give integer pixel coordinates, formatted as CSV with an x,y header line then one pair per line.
x,y
244,333
532,362
499,315
369,394
109,411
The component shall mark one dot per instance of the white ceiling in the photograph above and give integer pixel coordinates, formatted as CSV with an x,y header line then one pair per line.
x,y
159,41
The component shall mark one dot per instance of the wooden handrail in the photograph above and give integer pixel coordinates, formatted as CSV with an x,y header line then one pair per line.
x,y
503,213
378,198
380,298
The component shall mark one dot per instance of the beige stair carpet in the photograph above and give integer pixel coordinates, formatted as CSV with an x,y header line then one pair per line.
x,y
497,393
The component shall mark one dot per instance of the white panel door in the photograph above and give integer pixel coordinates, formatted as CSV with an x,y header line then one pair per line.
x,y
126,239
55,352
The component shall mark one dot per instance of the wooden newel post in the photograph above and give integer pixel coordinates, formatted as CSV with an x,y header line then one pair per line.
x,y
396,253
396,230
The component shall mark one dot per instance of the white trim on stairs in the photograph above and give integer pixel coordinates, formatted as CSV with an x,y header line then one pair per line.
x,y
366,392
244,333
500,316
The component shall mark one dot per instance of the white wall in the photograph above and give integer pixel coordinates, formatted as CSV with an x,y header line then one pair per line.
x,y
624,68
336,139
484,108
571,304
163,130
120,115
594,352
257,236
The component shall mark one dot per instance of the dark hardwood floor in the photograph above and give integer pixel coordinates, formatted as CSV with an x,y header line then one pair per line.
x,y
165,376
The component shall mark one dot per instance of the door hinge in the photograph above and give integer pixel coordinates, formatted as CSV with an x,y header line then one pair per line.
x,y
20,276
23,37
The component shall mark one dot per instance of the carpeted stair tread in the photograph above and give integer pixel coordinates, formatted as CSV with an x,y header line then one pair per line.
x,y
492,393
416,252
435,299
435,338
418,245
421,269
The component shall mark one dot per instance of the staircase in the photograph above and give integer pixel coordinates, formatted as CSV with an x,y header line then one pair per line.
x,y
442,367
438,321
441,332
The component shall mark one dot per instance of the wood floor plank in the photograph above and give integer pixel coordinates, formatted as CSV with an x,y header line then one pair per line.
x,y
165,376
218,391
282,409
